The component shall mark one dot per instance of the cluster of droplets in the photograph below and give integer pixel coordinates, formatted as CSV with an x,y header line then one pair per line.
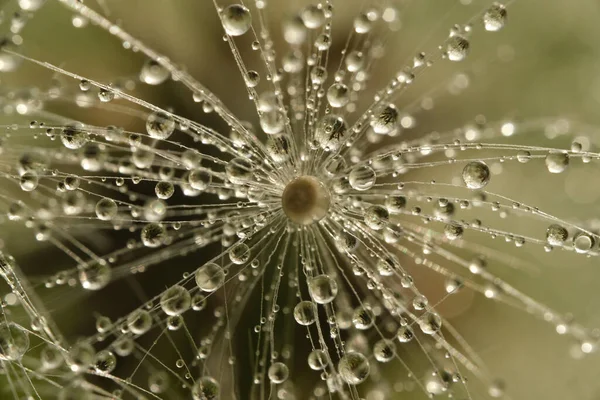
x,y
319,221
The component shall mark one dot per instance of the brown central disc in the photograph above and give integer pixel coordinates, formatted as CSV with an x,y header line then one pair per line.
x,y
305,200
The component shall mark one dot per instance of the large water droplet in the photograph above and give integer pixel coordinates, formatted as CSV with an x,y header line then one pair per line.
x,y
557,162
237,19
457,48
494,18
362,177
322,289
354,368
210,277
476,175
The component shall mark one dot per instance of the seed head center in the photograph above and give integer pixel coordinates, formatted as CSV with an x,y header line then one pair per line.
x,y
305,200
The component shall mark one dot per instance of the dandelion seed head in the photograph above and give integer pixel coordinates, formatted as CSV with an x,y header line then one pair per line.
x,y
308,252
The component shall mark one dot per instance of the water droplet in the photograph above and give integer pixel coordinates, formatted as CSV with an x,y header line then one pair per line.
x,y
362,177
323,42
376,217
95,276
583,242
420,302
51,357
237,19
353,368
457,48
210,277
272,122
557,162
453,231
430,323
139,322
106,209
106,95
164,190
496,389
313,16
153,73
158,381
294,30
385,121
73,137
105,362
239,253
362,23
556,235
494,18
175,300
31,5
363,318
476,175
81,356
305,313
330,132
355,61
160,126
318,75
384,350
200,179
278,372
206,388
395,204
338,95
322,289
239,171
29,181
318,360
252,78
347,242
153,235
279,148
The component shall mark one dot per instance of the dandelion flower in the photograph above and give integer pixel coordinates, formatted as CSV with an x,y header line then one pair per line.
x,y
304,255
